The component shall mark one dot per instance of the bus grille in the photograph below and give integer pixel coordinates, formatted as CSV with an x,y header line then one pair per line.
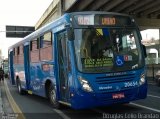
x,y
115,79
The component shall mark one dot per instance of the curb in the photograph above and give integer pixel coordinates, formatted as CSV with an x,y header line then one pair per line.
x,y
13,104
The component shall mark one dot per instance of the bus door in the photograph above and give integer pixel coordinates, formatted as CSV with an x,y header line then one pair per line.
x,y
26,65
62,61
11,68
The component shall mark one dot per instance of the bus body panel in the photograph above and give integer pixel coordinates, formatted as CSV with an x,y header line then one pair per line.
x,y
105,89
39,77
84,100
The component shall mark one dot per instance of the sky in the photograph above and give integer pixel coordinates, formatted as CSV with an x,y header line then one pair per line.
x,y
21,13
27,13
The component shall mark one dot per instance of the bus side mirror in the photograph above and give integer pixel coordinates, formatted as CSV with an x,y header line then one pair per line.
x,y
144,50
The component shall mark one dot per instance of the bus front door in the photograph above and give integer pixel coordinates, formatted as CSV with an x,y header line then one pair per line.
x,y
62,62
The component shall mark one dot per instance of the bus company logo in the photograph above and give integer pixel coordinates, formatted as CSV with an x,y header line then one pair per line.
x,y
117,74
105,88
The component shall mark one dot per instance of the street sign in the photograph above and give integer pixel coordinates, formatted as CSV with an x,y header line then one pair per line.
x,y
18,31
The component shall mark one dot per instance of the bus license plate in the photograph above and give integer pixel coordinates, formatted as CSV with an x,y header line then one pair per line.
x,y
118,96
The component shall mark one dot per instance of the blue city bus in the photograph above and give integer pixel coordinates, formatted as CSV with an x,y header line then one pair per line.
x,y
83,60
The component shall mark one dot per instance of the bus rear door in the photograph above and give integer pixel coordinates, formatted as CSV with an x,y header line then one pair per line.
x,y
11,68
26,65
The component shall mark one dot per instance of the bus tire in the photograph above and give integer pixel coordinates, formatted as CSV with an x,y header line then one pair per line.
x,y
20,90
53,97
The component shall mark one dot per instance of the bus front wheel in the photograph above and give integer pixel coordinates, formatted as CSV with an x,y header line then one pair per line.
x,y
53,97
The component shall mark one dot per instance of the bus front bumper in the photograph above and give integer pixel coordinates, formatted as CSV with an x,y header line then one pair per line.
x,y
82,100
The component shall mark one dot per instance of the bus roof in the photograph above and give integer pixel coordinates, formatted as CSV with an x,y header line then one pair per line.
x,y
63,19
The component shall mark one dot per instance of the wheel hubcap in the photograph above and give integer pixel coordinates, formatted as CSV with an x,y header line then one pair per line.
x,y
19,88
53,96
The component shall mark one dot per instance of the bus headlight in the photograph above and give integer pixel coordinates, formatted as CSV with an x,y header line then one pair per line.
x,y
85,85
142,79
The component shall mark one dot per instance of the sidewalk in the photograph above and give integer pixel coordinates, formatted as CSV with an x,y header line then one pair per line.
x,y
5,107
1,103
10,108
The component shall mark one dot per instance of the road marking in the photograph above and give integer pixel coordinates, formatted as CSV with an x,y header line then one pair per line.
x,y
145,107
137,105
153,96
152,84
13,104
64,116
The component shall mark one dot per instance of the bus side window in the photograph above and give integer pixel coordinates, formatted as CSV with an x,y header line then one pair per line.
x,y
34,51
46,48
20,57
46,40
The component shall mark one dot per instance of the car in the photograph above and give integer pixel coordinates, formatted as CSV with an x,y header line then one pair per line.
x,y
157,77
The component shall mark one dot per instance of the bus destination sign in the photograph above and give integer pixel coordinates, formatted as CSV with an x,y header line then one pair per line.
x,y
104,20
108,21
85,20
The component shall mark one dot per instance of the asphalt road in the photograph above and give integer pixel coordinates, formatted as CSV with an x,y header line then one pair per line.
x,y
35,107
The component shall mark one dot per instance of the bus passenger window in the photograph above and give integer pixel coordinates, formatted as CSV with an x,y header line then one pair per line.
x,y
46,49
46,40
34,54
34,44
21,50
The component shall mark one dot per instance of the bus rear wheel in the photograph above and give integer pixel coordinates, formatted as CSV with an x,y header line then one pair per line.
x,y
20,90
53,97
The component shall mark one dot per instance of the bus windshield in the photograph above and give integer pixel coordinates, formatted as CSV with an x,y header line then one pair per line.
x,y
101,50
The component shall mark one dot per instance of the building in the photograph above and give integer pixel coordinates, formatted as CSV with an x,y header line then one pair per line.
x,y
1,58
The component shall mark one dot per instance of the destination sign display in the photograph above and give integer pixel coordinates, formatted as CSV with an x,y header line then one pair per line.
x,y
108,21
103,20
